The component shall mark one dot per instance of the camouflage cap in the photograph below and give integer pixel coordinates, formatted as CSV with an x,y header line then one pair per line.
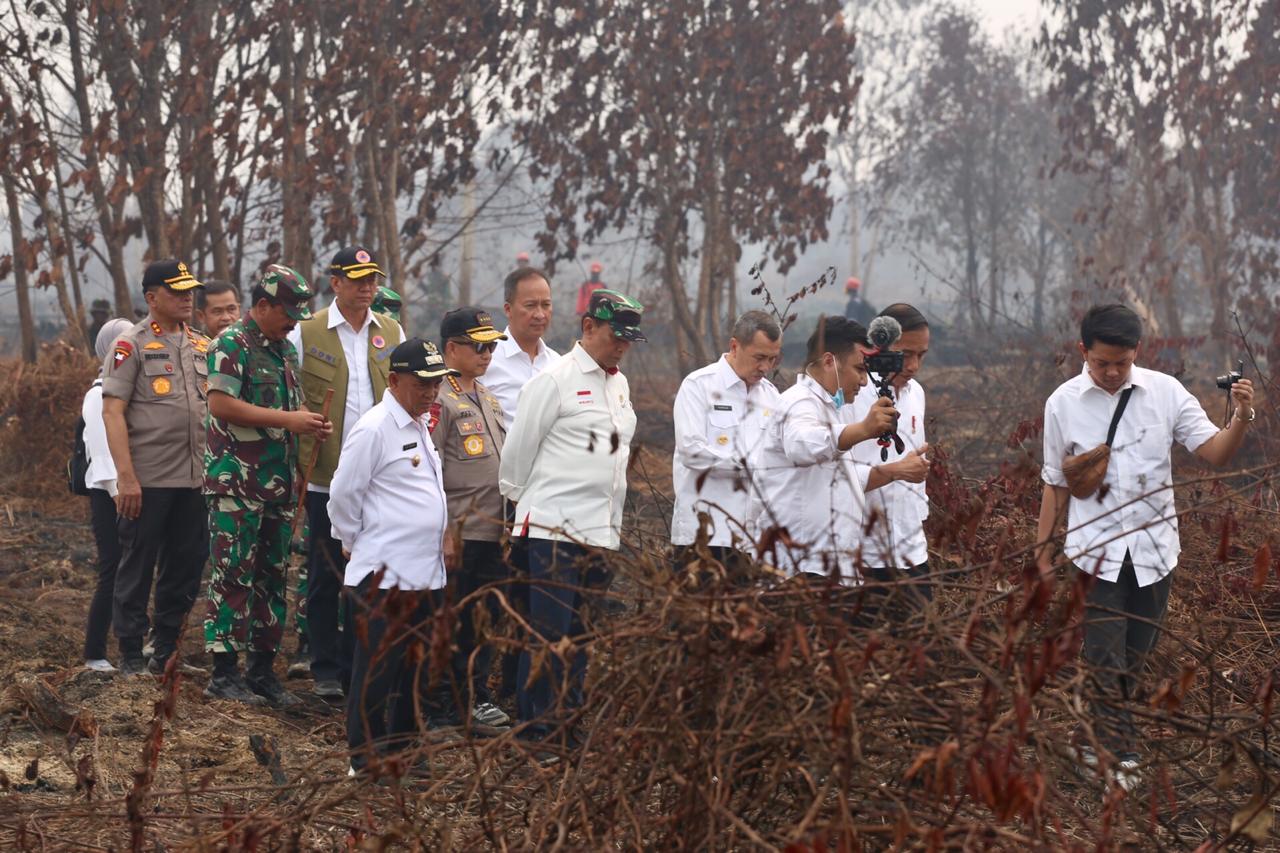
x,y
290,288
621,312
387,302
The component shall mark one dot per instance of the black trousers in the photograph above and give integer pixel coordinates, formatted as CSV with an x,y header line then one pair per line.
x,y
1121,627
896,593
330,647
168,541
106,535
481,565
562,578
391,693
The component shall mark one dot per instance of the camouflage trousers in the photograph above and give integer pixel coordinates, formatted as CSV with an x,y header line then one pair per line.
x,y
249,553
299,546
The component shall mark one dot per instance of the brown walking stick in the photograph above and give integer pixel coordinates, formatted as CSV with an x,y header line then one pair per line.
x,y
306,474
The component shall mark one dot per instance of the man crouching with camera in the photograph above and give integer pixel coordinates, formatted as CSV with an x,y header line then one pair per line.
x,y
1107,439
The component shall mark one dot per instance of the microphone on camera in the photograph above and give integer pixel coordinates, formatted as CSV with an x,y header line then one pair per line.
x,y
884,333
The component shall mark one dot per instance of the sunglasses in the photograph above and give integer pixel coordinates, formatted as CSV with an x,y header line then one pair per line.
x,y
479,347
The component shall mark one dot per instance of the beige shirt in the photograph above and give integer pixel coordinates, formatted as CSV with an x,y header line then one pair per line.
x,y
469,436
164,382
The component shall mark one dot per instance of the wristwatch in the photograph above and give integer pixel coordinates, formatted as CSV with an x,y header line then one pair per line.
x,y
1253,415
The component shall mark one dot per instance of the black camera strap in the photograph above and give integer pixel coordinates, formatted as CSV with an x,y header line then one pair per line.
x,y
1115,419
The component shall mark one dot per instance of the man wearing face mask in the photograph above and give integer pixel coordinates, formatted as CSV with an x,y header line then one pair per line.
x,y
895,547
255,412
154,386
721,415
810,486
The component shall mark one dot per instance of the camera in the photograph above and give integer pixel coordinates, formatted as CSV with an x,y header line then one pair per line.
x,y
1228,379
886,364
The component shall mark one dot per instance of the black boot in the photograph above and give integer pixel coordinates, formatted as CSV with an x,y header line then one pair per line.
x,y
262,680
228,683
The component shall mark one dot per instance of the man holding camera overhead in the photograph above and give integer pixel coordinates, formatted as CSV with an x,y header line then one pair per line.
x,y
1107,437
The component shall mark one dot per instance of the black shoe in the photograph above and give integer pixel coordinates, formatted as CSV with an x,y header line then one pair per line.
x,y
266,685
328,688
156,665
133,665
232,687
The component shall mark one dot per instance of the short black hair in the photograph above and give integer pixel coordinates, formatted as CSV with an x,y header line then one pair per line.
x,y
513,279
908,316
1115,324
213,288
836,335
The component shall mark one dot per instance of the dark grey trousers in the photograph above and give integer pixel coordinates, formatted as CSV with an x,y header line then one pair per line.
x,y
1122,624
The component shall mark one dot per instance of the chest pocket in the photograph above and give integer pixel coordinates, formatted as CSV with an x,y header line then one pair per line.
x,y
473,441
158,375
722,429
202,376
264,387
317,375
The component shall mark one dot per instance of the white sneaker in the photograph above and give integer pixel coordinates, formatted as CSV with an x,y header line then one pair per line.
x,y
1126,773
489,714
99,665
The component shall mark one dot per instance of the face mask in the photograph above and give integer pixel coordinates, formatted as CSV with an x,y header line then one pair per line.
x,y
838,397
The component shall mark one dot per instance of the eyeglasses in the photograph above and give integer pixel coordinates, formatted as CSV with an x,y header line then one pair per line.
x,y
479,347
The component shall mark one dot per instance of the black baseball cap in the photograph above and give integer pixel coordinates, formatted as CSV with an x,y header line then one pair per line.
x,y
421,358
620,311
470,322
170,273
355,262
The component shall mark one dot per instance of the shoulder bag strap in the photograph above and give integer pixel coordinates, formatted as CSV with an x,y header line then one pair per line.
x,y
1115,419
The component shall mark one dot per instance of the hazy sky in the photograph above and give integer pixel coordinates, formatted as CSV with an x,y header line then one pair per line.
x,y
1000,15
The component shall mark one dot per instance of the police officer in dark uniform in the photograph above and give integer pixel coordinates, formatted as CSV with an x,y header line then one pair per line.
x,y
154,388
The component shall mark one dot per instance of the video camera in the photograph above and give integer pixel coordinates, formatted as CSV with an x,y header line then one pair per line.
x,y
883,365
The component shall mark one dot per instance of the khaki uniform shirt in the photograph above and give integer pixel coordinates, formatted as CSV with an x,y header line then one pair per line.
x,y
469,436
163,380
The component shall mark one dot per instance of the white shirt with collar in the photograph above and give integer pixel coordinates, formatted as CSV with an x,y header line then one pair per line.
x,y
101,473
355,349
809,486
511,369
720,424
1134,508
896,540
564,461
387,502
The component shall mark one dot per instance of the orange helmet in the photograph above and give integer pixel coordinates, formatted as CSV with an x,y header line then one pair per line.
x,y
851,284
596,266
522,258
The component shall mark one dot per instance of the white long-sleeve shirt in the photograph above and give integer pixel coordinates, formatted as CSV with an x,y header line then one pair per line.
x,y
720,424
896,540
355,349
387,502
809,486
511,369
1133,510
564,461
101,473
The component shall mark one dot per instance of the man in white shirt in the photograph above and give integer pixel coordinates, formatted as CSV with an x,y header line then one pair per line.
x,y
564,463
387,508
721,415
100,480
523,354
343,348
1122,540
809,485
894,549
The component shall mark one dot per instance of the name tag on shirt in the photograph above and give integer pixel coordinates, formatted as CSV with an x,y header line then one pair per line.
x,y
410,446
723,408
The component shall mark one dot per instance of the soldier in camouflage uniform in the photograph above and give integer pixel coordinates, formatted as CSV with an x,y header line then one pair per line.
x,y
252,457
387,303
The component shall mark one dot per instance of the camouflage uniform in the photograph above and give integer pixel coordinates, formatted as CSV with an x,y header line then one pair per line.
x,y
387,302
249,482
